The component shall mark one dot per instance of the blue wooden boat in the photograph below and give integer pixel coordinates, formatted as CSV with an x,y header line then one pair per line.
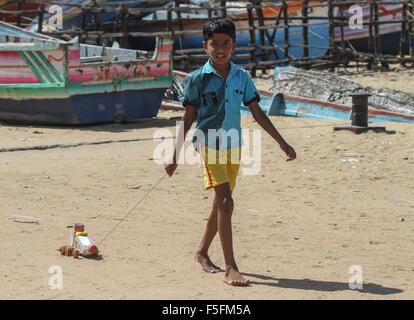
x,y
282,104
52,82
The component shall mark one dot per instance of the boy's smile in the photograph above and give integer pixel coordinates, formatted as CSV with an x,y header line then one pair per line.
x,y
220,47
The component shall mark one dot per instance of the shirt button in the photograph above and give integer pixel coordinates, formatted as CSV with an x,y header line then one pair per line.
x,y
227,100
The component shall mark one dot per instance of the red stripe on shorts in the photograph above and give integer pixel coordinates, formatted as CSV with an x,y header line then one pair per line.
x,y
208,175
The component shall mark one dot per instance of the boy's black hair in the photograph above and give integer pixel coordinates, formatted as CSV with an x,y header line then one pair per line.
x,y
219,25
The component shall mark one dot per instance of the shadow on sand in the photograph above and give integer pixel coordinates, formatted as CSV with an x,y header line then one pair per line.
x,y
316,285
107,127
92,257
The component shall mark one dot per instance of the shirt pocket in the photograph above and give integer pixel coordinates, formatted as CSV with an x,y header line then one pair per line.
x,y
209,103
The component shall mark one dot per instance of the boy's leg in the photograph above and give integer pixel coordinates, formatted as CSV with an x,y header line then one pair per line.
x,y
225,206
201,255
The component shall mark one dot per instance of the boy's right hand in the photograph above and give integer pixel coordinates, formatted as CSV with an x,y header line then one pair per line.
x,y
170,168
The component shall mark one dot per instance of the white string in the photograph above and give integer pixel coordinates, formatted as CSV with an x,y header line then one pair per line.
x,y
132,209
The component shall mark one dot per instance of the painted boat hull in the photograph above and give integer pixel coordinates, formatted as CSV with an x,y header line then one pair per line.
x,y
83,109
390,44
294,106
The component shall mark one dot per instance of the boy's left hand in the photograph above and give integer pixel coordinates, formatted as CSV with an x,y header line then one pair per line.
x,y
290,152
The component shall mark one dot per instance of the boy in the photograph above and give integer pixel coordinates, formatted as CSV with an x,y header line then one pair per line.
x,y
214,94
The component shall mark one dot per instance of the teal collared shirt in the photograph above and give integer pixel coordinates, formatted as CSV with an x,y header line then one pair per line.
x,y
217,102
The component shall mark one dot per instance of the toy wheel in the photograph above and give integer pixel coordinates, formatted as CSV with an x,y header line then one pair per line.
x,y
62,250
68,251
75,253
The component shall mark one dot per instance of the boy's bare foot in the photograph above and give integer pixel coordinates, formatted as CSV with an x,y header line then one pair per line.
x,y
206,263
234,278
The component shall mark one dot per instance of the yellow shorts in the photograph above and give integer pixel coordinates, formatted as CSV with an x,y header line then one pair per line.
x,y
220,166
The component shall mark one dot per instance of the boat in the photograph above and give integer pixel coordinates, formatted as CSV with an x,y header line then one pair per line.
x,y
389,32
52,82
283,104
331,87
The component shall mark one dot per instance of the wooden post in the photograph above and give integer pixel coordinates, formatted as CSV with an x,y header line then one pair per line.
x,y
169,21
184,62
124,26
97,18
403,32
223,8
252,33
263,53
371,36
180,25
332,43
377,42
83,25
40,22
286,24
305,36
19,15
410,29
341,14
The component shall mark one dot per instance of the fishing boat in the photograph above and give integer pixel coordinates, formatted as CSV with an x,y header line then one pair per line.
x,y
282,104
52,82
357,37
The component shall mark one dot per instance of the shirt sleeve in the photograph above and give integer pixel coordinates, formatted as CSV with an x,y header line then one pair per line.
x,y
191,95
250,92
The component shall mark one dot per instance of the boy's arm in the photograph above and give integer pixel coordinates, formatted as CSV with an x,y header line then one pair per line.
x,y
186,121
263,120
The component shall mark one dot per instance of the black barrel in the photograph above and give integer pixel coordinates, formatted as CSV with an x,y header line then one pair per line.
x,y
359,115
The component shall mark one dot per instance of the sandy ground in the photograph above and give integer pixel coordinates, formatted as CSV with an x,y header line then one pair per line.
x,y
299,226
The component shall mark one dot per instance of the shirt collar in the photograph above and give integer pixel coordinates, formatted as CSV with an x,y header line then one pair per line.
x,y
207,68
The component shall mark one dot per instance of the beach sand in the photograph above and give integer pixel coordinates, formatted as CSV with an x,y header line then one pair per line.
x,y
299,227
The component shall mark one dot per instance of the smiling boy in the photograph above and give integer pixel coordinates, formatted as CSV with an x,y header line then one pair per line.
x,y
213,94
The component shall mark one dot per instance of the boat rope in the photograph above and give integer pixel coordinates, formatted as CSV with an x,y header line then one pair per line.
x,y
132,209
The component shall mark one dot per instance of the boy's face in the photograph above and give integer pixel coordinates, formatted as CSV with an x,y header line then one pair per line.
x,y
220,47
